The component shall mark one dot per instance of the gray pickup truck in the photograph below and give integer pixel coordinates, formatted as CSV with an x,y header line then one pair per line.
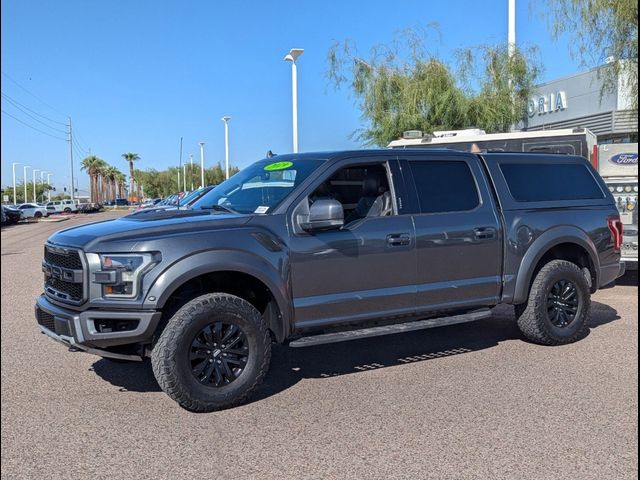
x,y
326,247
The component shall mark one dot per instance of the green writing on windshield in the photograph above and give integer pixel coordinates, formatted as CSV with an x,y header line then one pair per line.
x,y
278,166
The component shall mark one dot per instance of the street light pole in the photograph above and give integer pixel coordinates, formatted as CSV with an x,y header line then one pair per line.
x,y
13,166
191,169
226,119
49,185
201,164
34,183
25,182
292,56
184,177
42,174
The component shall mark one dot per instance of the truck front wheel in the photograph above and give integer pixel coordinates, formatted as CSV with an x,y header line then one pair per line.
x,y
559,305
213,353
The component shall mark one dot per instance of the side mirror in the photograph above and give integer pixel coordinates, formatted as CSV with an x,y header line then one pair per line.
x,y
324,214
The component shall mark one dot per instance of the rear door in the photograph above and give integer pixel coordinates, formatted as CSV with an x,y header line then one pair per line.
x,y
458,232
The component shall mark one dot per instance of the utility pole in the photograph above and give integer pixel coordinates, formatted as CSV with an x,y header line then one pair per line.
x,y
73,183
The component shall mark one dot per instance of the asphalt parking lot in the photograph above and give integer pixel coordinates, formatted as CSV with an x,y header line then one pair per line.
x,y
466,401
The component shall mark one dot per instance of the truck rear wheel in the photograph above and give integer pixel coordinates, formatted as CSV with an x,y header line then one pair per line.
x,y
559,305
213,353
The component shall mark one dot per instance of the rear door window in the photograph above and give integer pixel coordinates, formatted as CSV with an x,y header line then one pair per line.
x,y
445,186
528,182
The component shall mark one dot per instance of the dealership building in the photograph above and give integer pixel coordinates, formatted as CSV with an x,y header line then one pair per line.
x,y
581,100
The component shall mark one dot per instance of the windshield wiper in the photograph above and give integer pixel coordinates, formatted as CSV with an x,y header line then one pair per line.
x,y
219,208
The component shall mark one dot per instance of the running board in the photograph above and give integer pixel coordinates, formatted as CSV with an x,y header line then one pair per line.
x,y
345,336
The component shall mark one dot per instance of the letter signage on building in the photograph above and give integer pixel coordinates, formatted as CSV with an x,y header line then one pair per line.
x,y
547,103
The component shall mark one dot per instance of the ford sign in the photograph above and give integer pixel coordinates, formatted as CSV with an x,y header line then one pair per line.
x,y
625,159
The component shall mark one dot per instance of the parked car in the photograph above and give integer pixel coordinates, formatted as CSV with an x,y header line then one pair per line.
x,y
121,202
33,210
62,206
330,247
89,207
10,215
185,202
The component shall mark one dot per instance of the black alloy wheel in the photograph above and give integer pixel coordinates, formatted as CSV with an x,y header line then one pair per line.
x,y
562,303
219,354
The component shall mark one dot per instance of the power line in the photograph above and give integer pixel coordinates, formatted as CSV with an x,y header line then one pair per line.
x,y
78,147
77,138
32,94
18,104
34,118
32,127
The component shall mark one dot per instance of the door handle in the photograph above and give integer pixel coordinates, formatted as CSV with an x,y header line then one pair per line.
x,y
398,239
484,233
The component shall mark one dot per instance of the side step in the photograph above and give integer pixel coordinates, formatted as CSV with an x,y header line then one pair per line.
x,y
335,337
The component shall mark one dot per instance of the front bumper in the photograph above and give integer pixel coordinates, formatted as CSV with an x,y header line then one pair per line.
x,y
77,330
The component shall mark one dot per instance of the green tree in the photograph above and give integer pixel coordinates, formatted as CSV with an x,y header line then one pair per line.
x,y
131,157
402,87
601,30
92,165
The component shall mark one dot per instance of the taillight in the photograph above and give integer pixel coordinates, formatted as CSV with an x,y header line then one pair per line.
x,y
616,229
594,157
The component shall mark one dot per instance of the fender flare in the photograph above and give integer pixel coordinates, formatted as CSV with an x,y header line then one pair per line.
x,y
544,243
211,261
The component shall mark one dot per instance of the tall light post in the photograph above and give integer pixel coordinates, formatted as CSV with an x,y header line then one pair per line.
x,y
25,182
292,56
13,166
184,177
34,183
226,119
191,169
201,164
42,174
49,185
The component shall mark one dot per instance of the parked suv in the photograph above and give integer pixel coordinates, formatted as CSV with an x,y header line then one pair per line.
x,y
320,248
59,206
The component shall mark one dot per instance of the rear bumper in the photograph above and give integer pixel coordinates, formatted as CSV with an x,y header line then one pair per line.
x,y
78,329
610,273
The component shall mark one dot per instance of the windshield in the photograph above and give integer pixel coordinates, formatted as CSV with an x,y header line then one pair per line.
x,y
260,187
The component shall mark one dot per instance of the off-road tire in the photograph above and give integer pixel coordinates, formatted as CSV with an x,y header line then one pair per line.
x,y
170,355
533,318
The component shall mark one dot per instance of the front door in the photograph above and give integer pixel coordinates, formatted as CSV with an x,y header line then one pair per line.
x,y
365,269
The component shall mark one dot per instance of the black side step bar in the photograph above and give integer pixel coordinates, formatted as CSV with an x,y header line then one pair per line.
x,y
335,337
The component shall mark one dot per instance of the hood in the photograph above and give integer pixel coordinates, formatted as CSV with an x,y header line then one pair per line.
x,y
137,226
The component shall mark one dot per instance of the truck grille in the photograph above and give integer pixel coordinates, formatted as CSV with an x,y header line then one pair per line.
x,y
63,274
71,259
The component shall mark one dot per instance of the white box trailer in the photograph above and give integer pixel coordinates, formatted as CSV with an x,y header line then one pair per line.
x,y
618,166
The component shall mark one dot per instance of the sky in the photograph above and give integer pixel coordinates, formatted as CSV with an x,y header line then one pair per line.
x,y
136,76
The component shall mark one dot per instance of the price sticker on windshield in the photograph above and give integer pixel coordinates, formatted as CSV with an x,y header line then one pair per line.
x,y
272,167
261,210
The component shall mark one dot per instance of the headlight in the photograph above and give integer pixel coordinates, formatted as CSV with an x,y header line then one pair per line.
x,y
120,274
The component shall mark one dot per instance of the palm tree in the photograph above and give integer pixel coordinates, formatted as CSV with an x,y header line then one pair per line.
x,y
108,180
92,165
131,157
101,167
120,180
